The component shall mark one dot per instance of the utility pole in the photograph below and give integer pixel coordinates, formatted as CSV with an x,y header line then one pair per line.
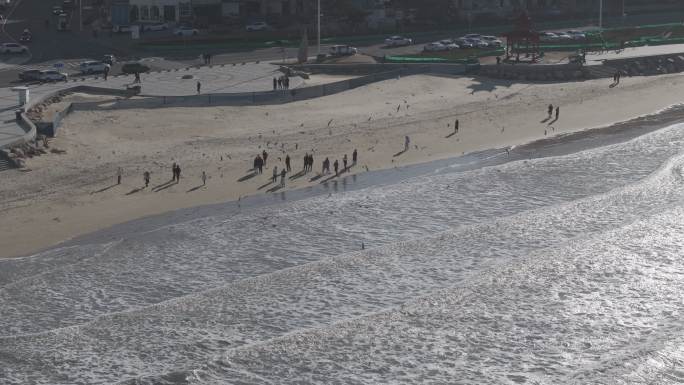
x,y
80,15
319,27
600,15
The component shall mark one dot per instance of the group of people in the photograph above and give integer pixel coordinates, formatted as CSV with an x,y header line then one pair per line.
x,y
176,172
308,162
206,58
281,83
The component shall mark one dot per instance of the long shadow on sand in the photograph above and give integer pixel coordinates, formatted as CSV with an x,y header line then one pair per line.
x,y
135,190
275,188
263,186
248,176
195,188
298,175
164,186
104,189
399,153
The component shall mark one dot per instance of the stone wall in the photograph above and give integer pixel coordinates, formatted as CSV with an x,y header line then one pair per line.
x,y
532,73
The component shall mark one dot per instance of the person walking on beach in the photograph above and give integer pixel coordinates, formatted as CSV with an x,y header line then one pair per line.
x,y
178,172
280,83
259,164
204,178
550,110
264,154
326,166
557,112
106,72
336,165
456,126
287,163
344,162
311,162
146,178
137,77
173,172
355,157
407,141
275,84
199,87
306,161
275,174
282,178
119,174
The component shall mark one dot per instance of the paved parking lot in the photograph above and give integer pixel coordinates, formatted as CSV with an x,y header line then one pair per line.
x,y
216,79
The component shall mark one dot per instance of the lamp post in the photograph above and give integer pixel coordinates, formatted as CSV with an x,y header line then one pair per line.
x,y
318,29
600,15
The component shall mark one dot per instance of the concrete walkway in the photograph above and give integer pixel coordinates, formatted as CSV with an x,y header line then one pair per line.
x,y
216,79
629,53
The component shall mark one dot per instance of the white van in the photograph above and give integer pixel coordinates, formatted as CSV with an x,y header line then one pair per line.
x,y
91,67
341,50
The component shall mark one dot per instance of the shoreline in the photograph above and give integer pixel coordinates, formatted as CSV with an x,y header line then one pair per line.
x,y
555,146
98,217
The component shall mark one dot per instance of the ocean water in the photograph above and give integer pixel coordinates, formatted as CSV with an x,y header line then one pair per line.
x,y
558,270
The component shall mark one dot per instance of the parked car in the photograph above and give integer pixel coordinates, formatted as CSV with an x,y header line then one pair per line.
x,y
13,48
398,41
257,26
91,67
155,27
563,36
464,43
342,50
53,76
449,44
29,75
134,67
475,36
435,47
548,36
577,35
185,31
57,10
493,41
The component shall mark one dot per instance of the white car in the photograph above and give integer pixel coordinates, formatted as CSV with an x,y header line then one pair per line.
x,y
185,31
435,47
52,76
577,35
91,67
155,27
548,36
493,41
449,44
341,50
563,36
257,26
473,36
397,41
465,43
13,48
477,43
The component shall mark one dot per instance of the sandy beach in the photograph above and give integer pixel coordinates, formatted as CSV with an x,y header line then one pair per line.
x,y
60,196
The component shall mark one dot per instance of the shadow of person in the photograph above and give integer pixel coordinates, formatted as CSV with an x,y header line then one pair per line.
x,y
399,153
270,182
315,178
298,175
545,120
248,176
104,189
553,121
274,188
163,185
195,188
450,135
135,190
